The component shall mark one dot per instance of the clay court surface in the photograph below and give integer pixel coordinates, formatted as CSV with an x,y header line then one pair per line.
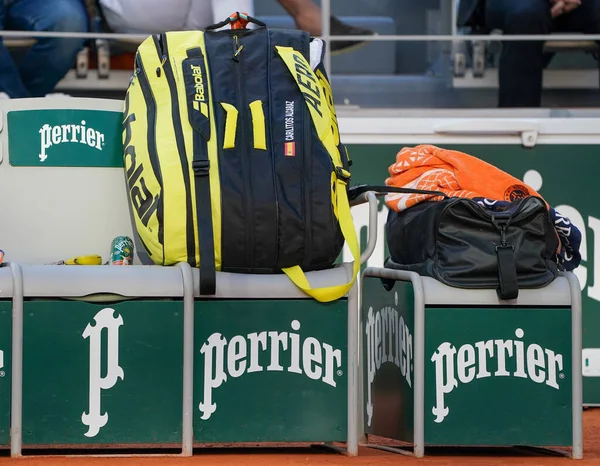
x,y
308,455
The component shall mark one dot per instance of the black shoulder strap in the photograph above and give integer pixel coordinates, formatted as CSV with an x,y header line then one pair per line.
x,y
201,167
507,272
356,191
507,266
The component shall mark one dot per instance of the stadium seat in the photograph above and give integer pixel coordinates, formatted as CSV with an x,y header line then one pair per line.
x,y
80,210
338,7
572,67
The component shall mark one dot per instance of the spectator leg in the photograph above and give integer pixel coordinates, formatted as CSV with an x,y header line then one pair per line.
x,y
585,19
49,59
521,63
306,13
10,80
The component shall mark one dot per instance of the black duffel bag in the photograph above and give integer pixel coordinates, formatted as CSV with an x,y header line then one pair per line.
x,y
464,244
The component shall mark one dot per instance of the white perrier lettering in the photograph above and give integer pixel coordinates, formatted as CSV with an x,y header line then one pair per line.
x,y
470,362
60,134
242,354
388,340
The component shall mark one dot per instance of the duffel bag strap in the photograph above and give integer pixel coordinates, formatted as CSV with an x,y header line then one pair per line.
x,y
356,191
507,266
507,272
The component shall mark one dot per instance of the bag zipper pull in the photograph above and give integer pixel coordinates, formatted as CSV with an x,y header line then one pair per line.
x,y
501,227
159,68
237,49
503,235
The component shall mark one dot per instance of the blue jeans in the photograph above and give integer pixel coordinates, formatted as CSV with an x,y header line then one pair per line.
x,y
49,59
522,63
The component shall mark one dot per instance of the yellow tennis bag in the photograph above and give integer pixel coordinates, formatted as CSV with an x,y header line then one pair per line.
x,y
233,156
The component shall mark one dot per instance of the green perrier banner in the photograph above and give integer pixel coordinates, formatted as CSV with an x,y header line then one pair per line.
x,y
65,138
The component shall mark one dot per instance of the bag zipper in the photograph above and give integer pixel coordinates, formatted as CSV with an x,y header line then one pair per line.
x,y
160,42
306,185
245,151
152,149
273,167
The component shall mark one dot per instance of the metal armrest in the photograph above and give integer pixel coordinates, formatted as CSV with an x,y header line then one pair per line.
x,y
371,198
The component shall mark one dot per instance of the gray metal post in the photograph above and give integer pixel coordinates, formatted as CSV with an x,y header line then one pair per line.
x,y
419,361
576,337
453,16
16,401
326,33
353,382
362,438
372,232
187,429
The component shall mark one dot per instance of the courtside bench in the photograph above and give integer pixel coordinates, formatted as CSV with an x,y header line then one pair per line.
x,y
131,357
444,366
10,285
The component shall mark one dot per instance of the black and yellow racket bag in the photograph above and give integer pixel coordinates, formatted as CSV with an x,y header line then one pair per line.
x,y
233,157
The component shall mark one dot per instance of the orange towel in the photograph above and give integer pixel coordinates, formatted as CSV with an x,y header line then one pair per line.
x,y
455,173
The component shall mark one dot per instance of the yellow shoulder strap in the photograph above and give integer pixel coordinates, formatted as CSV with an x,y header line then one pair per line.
x,y
314,96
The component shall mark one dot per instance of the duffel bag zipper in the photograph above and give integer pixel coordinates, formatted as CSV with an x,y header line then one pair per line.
x,y
245,151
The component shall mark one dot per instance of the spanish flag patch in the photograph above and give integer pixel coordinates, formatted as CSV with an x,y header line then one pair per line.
x,y
290,149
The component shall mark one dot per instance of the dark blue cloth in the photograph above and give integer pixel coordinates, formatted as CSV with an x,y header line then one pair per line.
x,y
49,59
569,234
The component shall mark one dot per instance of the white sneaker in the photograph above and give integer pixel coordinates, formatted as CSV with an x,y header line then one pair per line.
x,y
4,96
57,94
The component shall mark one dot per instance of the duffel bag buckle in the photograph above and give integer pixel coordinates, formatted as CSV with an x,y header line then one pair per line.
x,y
201,167
504,246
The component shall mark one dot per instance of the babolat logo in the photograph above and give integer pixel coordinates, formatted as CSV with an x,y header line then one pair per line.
x,y
141,198
389,340
510,357
61,134
199,97
242,353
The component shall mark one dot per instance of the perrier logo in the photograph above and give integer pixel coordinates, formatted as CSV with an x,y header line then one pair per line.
x,y
51,136
510,358
286,351
388,340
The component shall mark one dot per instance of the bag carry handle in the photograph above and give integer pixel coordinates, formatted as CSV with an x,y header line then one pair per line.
x,y
356,191
238,21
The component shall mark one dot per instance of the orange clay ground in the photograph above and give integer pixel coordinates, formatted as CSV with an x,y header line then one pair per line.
x,y
316,456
